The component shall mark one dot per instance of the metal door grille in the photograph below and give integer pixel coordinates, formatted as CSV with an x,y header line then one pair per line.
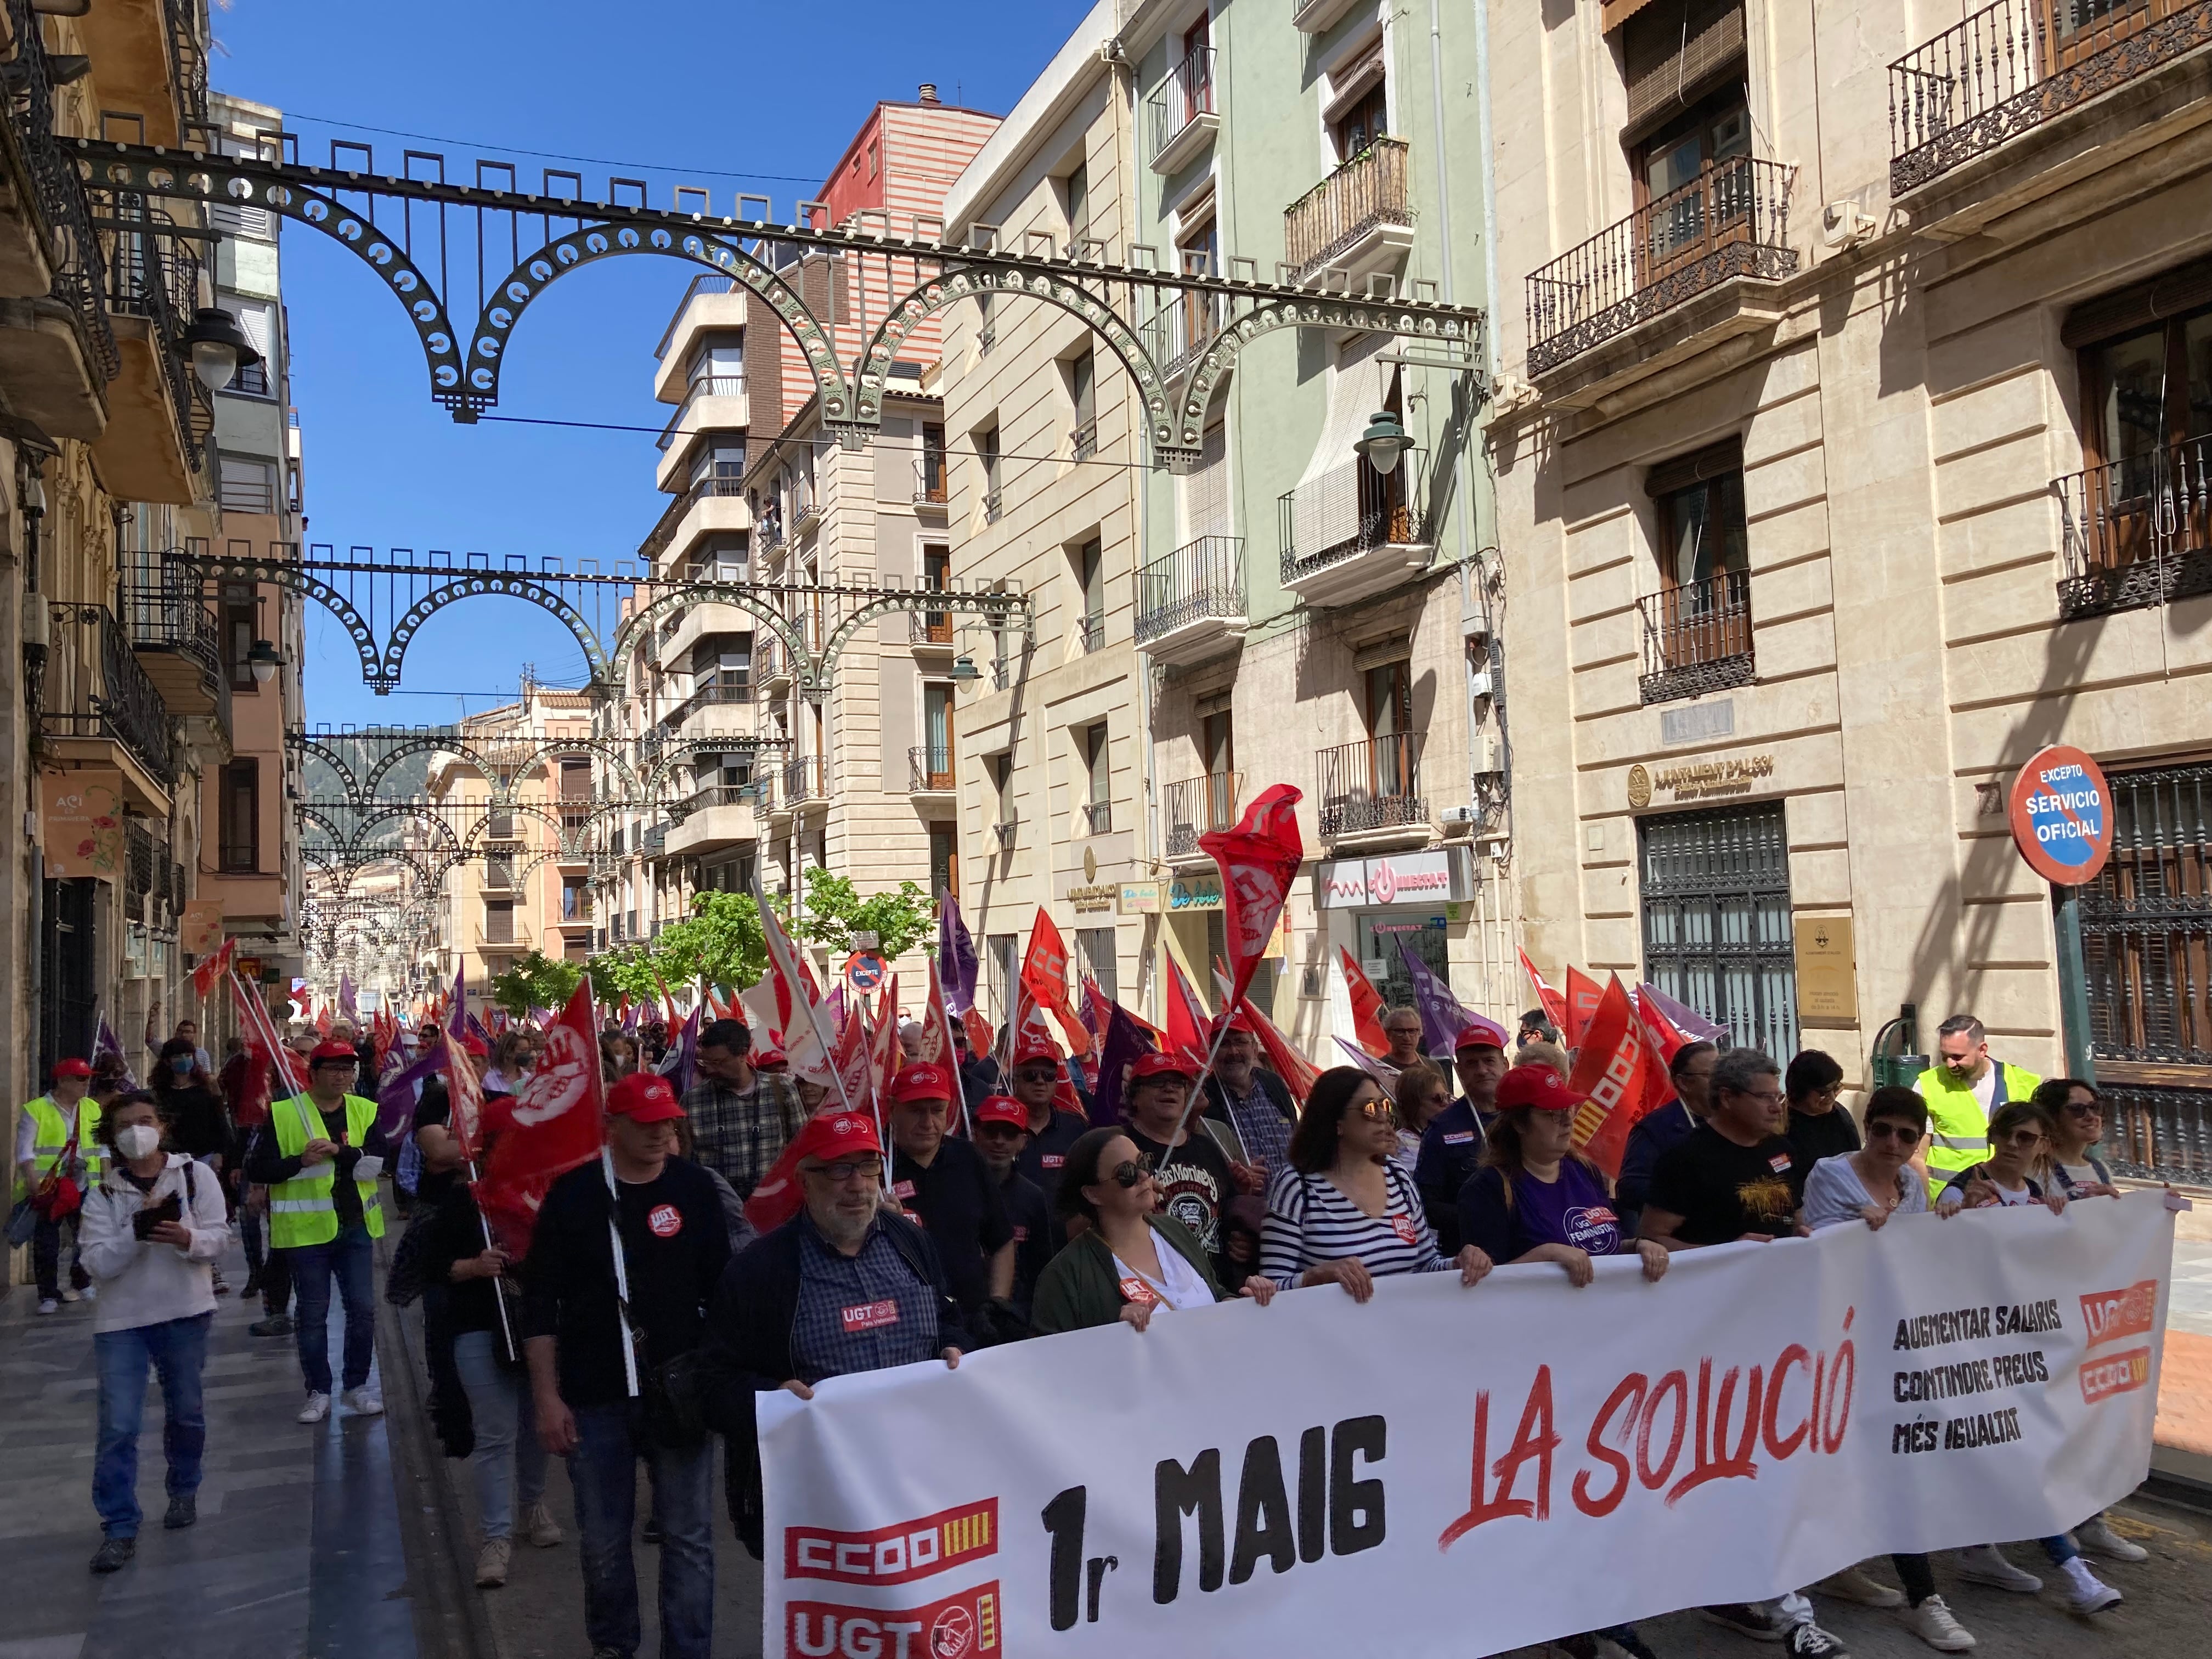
x,y
2147,950
67,978
1716,932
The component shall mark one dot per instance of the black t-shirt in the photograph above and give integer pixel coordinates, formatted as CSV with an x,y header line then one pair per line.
x,y
959,1204
1036,1235
675,1247
1040,1160
1827,1134
435,1111
1195,1183
1722,1191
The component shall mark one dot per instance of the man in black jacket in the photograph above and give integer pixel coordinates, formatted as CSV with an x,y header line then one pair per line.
x,y
845,1286
1002,1129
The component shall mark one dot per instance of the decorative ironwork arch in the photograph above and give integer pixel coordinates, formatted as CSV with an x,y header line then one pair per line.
x,y
760,602
970,602
473,584
685,752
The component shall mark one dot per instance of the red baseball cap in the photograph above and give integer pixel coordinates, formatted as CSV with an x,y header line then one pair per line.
x,y
1001,1109
1538,1086
768,1056
836,1135
1162,1064
644,1097
919,1080
1240,1021
333,1054
75,1068
1480,1033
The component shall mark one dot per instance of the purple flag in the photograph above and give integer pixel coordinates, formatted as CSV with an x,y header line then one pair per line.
x,y
1442,1018
347,1005
676,1064
462,1019
1689,1021
104,1042
475,1027
630,1019
1385,1075
956,956
395,1098
1124,1041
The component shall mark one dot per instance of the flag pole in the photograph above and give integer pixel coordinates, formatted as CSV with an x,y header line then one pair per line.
x,y
498,1293
814,1020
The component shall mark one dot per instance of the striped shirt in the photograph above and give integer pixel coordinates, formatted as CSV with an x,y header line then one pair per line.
x,y
1309,1221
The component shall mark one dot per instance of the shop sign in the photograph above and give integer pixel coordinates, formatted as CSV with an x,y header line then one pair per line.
x,y
2062,815
1827,971
1702,779
81,817
1140,898
1092,895
1200,891
1430,879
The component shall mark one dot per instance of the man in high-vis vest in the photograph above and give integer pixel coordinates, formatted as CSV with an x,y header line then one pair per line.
x,y
1963,1089
319,1155
57,1131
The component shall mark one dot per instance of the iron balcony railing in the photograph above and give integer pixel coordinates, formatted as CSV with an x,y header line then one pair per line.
x,y
1096,817
929,767
706,385
1186,94
721,693
1350,510
1198,580
1184,327
1198,806
1373,784
1090,631
929,479
94,688
656,542
929,628
993,500
1732,220
168,614
1085,441
72,245
1368,190
2011,67
150,275
1697,637
724,794
805,779
2137,531
188,68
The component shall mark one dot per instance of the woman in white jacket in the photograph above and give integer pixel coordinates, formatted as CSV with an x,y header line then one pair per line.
x,y
150,1233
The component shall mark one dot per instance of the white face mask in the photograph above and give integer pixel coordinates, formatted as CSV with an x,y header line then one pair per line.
x,y
139,1140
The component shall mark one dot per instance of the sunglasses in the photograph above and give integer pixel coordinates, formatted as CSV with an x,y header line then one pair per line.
x,y
2024,1137
1128,1173
866,1169
2085,1108
1904,1134
1377,1111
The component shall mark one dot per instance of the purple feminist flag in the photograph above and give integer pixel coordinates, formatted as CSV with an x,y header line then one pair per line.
x,y
956,956
348,1005
1384,1074
103,1043
1443,1019
1124,1041
461,1019
1689,1021
396,1096
676,1064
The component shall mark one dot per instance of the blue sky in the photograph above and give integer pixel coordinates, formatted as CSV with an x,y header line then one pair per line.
x,y
681,83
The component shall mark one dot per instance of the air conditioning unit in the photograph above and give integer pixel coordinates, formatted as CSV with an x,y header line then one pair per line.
x,y
1460,815
1845,224
1479,683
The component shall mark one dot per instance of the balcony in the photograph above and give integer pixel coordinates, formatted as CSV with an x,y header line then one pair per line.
x,y
1371,789
1352,533
98,704
2137,533
1697,637
713,304
772,668
1357,222
152,63
712,403
1729,225
930,634
158,414
2023,65
804,785
1095,818
929,479
929,776
178,644
1190,602
723,694
805,514
717,816
711,505
1184,120
1198,806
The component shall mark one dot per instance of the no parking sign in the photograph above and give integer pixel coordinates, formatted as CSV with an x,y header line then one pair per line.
x,y
2062,815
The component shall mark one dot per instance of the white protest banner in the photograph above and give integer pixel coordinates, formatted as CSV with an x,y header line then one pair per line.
x,y
1452,1471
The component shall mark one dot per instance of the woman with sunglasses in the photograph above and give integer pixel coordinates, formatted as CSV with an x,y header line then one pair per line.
x,y
1421,1092
2078,1123
1346,1211
1876,1182
1129,1259
2019,1132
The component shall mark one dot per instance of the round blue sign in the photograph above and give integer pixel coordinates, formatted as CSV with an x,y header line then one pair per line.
x,y
2062,815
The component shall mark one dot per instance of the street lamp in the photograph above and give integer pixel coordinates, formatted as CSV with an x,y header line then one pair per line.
x,y
1383,442
965,671
218,347
264,659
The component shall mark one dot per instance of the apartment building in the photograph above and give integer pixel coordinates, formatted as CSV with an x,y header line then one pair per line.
x,y
1286,611
1852,453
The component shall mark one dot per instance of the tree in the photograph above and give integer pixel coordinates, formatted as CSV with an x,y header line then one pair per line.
x,y
900,920
536,980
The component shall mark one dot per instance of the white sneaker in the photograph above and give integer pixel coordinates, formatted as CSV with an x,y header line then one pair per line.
x,y
1852,1585
362,1402
70,1293
317,1408
1931,1621
1983,1565
2088,1594
47,1305
2096,1537
90,1293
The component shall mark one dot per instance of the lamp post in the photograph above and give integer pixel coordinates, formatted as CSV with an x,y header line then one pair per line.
x,y
1384,442
218,347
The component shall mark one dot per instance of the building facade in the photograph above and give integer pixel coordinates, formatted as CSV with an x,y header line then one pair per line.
x,y
1850,456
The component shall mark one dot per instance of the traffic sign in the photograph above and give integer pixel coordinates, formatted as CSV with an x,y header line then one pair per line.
x,y
864,970
2062,815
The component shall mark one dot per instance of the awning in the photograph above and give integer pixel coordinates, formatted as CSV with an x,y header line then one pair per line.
x,y
1617,12
1323,515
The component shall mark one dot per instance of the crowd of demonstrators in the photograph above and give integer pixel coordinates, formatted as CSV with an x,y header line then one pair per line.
x,y
193,1120
152,1227
1421,1093
1536,1026
514,1057
1964,1089
741,1117
1001,1127
58,1159
627,1252
1034,1079
1690,1073
1253,1101
1451,1145
943,1183
1195,1180
319,1157
1129,1255
1345,1211
617,1054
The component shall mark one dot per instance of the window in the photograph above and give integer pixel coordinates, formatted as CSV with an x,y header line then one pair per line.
x,y
933,462
721,460
1078,202
1683,63
240,626
256,320
1003,965
239,848
875,155
499,825
1674,52
718,366
1702,613
1089,562
1094,953
1096,814
499,921
499,870
576,950
1083,394
987,333
1367,119
247,486
1716,924
1198,252
1394,747
1002,787
575,899
575,777
944,860
987,448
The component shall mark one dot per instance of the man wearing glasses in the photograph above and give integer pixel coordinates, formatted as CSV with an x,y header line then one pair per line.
x,y
846,1285
1035,1081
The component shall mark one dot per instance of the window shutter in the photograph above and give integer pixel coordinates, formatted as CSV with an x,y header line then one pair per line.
x,y
1711,462
2183,289
1676,50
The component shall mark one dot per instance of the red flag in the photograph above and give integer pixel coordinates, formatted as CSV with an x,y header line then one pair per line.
x,y
1582,1002
269,1065
1366,1005
883,1051
851,1064
936,1048
1660,1035
556,1124
1296,1071
978,1030
1188,1020
668,1003
1259,859
778,1196
1045,976
1609,1068
212,968
1548,996
323,1022
465,1092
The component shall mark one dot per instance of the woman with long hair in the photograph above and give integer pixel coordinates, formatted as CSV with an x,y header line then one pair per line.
x,y
1346,1212
1422,1092
2076,1112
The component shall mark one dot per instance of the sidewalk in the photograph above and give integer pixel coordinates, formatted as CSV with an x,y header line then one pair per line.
x,y
2184,1383
298,1552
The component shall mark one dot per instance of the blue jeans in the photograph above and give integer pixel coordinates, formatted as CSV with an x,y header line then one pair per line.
x,y
507,1452
176,1349
350,1258
603,1471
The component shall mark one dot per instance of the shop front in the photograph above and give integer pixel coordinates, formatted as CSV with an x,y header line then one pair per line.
x,y
1386,907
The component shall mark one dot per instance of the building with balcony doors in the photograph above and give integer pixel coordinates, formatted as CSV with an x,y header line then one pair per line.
x,y
1849,455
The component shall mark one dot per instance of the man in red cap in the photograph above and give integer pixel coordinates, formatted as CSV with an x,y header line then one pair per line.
x,y
55,1136
1195,1180
1452,1144
943,1185
846,1285
1035,1081
583,1312
1001,1130
1251,1099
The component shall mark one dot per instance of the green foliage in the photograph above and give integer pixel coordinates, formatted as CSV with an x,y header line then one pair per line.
x,y
536,980
900,920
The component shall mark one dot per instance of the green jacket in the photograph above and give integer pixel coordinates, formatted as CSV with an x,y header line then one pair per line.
x,y
1081,1288
1958,1128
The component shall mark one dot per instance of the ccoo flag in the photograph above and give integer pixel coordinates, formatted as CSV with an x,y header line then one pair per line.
x,y
1258,860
